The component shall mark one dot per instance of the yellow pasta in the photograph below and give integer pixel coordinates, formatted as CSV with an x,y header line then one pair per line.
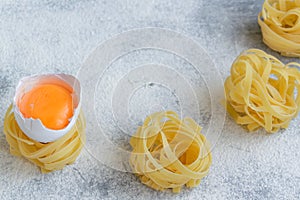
x,y
280,26
263,92
48,156
169,152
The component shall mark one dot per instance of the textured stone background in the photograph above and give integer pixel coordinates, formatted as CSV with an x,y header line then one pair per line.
x,y
57,36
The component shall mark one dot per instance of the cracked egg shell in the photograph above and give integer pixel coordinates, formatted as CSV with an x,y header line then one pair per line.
x,y
34,127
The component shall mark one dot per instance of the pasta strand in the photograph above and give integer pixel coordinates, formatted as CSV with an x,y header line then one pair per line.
x,y
169,152
263,92
48,156
280,25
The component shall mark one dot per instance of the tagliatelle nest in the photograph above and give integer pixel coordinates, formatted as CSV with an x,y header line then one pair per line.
x,y
48,156
169,152
263,92
280,26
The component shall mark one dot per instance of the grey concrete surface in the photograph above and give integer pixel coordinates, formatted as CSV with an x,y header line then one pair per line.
x,y
50,36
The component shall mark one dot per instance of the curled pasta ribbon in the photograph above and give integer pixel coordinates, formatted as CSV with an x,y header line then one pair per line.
x,y
169,152
48,156
280,26
263,92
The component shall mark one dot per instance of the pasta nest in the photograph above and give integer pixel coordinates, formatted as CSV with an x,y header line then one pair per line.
x,y
280,25
169,152
263,92
48,156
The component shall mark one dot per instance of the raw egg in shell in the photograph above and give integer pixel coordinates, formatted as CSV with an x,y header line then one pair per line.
x,y
47,106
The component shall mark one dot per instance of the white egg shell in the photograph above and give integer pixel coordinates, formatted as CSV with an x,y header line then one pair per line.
x,y
34,128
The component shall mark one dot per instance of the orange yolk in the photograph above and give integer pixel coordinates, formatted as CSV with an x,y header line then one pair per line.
x,y
50,103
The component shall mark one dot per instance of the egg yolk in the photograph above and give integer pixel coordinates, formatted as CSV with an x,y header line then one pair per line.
x,y
50,103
